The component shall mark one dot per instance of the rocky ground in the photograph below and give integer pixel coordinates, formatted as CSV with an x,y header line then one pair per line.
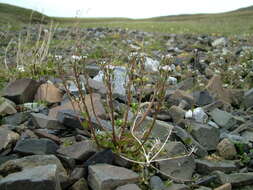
x,y
208,102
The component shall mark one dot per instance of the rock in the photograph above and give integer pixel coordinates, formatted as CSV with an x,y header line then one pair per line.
x,y
37,178
175,97
44,134
208,166
226,186
45,122
203,188
77,174
160,130
98,106
198,114
202,98
177,114
202,132
235,179
92,69
248,98
179,168
119,80
97,86
4,159
21,90
17,118
216,90
6,107
172,81
223,119
67,106
190,141
69,118
108,177
48,93
156,183
151,65
220,42
128,187
81,184
102,157
175,186
7,138
32,162
226,149
36,146
79,151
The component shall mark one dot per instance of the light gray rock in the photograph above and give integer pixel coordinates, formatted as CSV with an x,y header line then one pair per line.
x,y
108,177
37,178
79,151
175,186
220,42
7,107
151,65
180,168
208,166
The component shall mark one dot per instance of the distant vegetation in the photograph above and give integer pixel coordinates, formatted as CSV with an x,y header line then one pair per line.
x,y
235,22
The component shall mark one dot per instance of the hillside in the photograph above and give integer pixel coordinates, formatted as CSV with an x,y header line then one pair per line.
x,y
14,15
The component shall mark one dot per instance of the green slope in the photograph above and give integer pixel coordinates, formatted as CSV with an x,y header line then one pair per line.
x,y
14,15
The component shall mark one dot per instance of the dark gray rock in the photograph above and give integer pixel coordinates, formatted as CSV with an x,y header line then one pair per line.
x,y
81,184
37,178
44,121
128,187
105,176
21,90
36,146
202,132
223,118
103,157
156,183
202,98
17,118
70,118
248,98
79,151
179,168
208,166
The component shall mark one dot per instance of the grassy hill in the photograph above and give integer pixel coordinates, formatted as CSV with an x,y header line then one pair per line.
x,y
230,23
15,16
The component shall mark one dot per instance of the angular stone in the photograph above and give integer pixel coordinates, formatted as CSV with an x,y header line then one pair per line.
x,y
70,118
102,157
176,113
208,166
160,130
214,87
181,168
223,119
105,176
220,42
235,179
36,146
190,141
34,161
202,98
128,187
226,186
81,184
38,178
7,138
21,90
226,149
175,97
79,151
156,183
175,186
98,106
17,118
45,122
97,86
202,132
49,93
44,134
248,98
67,106
6,107
203,188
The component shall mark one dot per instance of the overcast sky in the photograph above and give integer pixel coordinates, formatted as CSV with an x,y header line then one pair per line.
x,y
128,8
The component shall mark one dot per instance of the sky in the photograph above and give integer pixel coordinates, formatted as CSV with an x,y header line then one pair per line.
x,y
128,8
